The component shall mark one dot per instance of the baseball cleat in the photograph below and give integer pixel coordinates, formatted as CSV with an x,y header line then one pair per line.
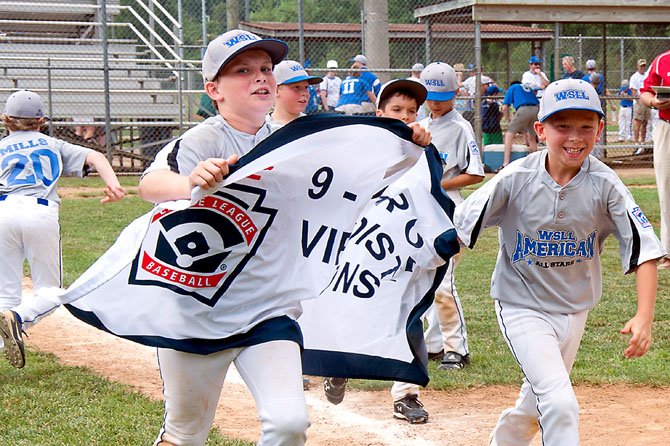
x,y
10,332
410,409
334,389
454,361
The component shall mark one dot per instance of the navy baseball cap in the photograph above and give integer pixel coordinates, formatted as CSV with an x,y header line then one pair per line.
x,y
24,104
440,81
569,94
417,89
534,59
221,50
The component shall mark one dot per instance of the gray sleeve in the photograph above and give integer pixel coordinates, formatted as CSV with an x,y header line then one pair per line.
x,y
638,242
484,208
73,156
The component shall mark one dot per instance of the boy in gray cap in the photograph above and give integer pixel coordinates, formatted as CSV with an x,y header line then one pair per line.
x,y
31,163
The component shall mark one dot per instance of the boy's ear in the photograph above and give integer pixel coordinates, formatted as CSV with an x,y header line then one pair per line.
x,y
212,90
539,130
379,113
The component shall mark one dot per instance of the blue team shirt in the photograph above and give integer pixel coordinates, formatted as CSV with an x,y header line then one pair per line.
x,y
353,91
519,95
624,91
371,79
601,85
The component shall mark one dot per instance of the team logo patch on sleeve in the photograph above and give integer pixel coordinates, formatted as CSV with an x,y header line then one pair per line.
x,y
639,216
200,250
473,148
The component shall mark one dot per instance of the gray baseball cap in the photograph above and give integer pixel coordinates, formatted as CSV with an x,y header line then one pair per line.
x,y
290,72
440,80
569,94
24,104
228,45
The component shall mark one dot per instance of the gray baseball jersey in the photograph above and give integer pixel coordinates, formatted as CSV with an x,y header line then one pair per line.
x,y
212,138
31,164
551,237
454,139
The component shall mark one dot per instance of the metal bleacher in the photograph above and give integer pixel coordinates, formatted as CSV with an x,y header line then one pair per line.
x,y
55,49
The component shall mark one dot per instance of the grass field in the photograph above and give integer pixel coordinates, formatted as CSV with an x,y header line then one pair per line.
x,y
48,404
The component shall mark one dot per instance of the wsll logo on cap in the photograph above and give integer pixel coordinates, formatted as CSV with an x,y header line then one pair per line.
x,y
440,80
221,50
290,72
569,94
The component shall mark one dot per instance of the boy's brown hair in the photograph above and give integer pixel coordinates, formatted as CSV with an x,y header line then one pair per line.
x,y
403,87
22,124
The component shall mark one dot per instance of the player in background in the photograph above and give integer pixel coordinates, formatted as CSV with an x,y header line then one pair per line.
x,y
659,74
398,99
292,92
554,210
330,87
454,138
353,92
625,112
31,164
360,62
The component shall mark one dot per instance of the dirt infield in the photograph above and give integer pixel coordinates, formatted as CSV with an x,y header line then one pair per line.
x,y
614,415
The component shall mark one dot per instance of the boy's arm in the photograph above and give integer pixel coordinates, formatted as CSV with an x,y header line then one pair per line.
x,y
639,327
113,190
460,181
164,185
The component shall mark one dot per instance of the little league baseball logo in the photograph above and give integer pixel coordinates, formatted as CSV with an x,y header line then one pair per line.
x,y
200,250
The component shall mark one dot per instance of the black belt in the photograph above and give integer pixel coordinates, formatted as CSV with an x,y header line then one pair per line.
x,y
526,105
42,201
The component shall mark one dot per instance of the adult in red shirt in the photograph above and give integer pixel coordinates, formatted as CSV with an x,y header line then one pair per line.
x,y
659,75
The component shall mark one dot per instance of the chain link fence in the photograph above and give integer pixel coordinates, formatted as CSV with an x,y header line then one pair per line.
x,y
129,87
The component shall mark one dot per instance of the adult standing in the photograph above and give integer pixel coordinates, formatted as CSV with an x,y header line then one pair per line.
x,y
360,62
535,77
526,106
571,71
330,87
641,112
659,74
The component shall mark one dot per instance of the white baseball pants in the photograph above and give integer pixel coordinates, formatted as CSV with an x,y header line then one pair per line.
x,y
28,230
662,171
625,123
446,324
192,385
545,346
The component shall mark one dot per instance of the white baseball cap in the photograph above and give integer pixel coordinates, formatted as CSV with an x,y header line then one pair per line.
x,y
486,80
418,67
290,72
24,104
569,94
228,45
331,64
361,59
590,63
440,80
417,89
